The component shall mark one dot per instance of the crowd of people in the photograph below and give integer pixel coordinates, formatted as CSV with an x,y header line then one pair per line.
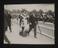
x,y
30,19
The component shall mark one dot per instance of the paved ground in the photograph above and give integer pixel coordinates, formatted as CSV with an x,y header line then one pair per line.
x,y
15,38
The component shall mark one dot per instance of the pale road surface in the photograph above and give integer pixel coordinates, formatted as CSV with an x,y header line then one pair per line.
x,y
15,38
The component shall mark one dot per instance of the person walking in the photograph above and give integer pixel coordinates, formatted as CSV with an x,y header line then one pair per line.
x,y
33,22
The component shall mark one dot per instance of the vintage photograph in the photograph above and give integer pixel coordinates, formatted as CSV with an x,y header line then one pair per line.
x,y
29,23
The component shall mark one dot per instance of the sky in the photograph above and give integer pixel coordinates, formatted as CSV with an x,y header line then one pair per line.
x,y
30,7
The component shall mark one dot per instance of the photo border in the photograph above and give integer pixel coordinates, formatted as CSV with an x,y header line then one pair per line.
x,y
2,23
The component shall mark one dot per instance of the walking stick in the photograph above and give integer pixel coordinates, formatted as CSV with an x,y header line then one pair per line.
x,y
39,29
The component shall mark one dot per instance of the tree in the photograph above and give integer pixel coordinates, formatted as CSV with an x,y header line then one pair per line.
x,y
34,11
40,12
18,11
50,12
23,10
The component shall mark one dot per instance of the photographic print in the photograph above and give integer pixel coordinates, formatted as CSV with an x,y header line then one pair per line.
x,y
29,24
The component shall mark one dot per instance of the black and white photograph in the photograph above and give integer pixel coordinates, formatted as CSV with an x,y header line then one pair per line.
x,y
29,24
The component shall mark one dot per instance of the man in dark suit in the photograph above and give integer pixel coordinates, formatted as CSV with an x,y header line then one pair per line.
x,y
7,22
33,22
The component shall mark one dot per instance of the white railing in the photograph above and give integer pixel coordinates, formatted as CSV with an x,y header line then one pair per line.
x,y
47,30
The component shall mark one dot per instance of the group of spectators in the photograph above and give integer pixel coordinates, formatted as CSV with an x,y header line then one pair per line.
x,y
30,18
48,16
